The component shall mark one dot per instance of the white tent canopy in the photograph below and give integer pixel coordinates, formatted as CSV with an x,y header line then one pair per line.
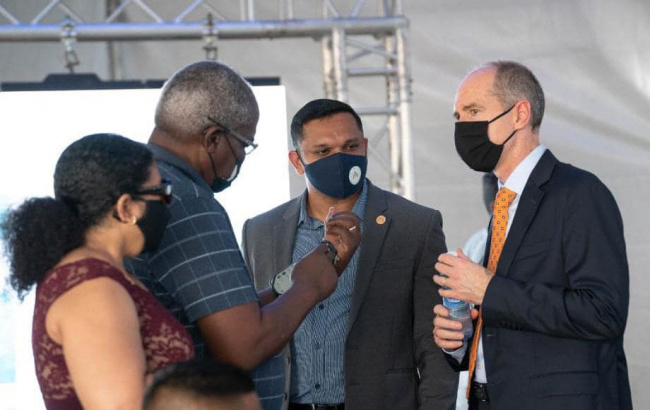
x,y
591,57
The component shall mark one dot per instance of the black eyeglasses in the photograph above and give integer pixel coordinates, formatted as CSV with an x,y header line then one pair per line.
x,y
164,190
249,146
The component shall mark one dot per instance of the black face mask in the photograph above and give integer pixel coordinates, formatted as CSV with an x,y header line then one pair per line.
x,y
339,175
153,224
219,184
474,145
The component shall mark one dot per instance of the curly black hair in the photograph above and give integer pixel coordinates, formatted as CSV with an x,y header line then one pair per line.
x,y
90,176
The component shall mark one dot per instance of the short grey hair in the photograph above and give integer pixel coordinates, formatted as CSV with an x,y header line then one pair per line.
x,y
513,82
201,90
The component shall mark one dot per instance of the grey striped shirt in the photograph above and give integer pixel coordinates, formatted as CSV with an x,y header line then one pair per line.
x,y
318,345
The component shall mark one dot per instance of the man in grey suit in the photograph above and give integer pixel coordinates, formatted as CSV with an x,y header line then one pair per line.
x,y
367,346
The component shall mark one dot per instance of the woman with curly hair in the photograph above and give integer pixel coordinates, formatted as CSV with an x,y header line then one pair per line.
x,y
97,331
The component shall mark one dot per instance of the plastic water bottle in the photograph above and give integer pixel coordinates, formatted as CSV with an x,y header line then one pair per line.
x,y
459,310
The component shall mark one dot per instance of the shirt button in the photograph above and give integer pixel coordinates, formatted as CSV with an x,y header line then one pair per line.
x,y
321,306
317,385
317,345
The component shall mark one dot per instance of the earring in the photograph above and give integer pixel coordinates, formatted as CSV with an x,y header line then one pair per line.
x,y
133,220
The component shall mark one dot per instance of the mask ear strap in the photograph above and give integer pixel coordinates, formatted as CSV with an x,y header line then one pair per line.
x,y
508,139
501,115
206,141
232,150
214,170
299,157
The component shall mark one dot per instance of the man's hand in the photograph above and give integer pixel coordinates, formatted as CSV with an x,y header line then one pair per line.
x,y
447,333
247,335
464,279
343,230
315,273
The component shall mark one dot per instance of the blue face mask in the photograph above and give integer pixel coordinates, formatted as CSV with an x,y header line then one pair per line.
x,y
339,175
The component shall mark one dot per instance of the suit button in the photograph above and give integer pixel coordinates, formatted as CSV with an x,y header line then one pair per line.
x,y
317,386
321,306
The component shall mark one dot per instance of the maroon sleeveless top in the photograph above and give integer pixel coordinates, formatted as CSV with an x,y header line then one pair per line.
x,y
164,339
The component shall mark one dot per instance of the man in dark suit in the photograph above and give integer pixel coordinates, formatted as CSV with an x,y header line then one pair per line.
x,y
554,307
368,346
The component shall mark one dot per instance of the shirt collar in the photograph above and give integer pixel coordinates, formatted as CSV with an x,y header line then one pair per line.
x,y
517,180
162,155
358,209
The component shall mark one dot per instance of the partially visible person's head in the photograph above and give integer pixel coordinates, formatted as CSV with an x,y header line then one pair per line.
x,y
201,385
330,148
490,188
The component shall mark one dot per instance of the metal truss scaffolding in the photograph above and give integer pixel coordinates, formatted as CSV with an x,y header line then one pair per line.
x,y
359,39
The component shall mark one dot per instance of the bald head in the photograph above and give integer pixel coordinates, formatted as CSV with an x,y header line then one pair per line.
x,y
514,82
201,90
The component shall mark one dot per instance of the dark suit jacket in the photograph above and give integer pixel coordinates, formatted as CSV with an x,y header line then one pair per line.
x,y
390,326
555,313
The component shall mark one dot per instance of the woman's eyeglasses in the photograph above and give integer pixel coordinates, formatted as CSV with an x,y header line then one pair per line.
x,y
164,190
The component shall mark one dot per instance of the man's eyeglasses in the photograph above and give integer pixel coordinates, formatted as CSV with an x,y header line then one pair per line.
x,y
164,190
249,146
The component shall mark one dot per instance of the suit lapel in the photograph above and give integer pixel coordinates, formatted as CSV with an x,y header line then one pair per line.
x,y
373,235
284,234
528,204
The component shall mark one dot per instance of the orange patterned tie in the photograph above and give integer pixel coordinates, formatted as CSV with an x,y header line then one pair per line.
x,y
499,227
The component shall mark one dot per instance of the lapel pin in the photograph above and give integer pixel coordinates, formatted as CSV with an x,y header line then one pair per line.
x,y
381,219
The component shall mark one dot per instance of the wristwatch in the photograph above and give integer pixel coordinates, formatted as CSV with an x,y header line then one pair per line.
x,y
281,282
331,250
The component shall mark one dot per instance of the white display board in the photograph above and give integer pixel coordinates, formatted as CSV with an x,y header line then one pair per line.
x,y
37,126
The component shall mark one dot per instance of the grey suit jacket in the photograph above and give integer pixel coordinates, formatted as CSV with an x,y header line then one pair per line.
x,y
391,361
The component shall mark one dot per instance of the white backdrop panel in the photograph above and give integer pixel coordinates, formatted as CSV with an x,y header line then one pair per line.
x,y
37,126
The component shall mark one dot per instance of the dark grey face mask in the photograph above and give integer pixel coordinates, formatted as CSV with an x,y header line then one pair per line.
x,y
474,146
153,224
219,184
339,175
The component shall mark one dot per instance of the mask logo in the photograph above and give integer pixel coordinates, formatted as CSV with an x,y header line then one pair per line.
x,y
355,175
